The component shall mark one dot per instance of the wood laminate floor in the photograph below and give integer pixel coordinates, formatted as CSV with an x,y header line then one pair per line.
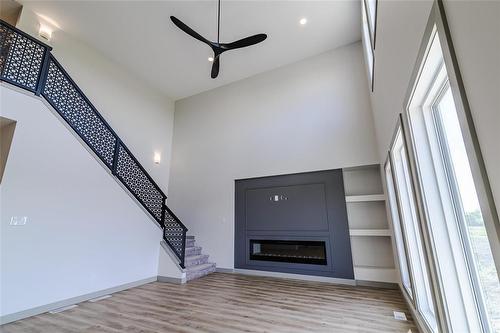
x,y
221,303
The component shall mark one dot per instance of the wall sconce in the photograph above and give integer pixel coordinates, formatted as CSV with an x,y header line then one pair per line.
x,y
45,32
157,158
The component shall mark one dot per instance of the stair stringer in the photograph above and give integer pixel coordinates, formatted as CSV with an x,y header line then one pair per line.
x,y
168,266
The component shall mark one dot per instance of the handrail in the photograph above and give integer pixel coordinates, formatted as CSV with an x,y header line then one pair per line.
x,y
27,63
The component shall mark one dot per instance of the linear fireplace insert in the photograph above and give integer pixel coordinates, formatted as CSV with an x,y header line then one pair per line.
x,y
294,251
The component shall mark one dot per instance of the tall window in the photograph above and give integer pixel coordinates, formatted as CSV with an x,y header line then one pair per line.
x,y
467,276
371,13
398,233
483,273
411,226
368,15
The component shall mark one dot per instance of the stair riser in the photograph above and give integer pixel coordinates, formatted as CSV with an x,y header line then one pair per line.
x,y
200,261
189,242
199,274
193,252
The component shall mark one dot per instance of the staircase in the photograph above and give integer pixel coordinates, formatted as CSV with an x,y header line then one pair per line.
x,y
196,263
27,63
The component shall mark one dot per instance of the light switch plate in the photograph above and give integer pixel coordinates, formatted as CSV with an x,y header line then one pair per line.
x,y
18,220
398,315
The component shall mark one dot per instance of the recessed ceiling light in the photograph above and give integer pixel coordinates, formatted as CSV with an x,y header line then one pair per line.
x,y
303,21
210,59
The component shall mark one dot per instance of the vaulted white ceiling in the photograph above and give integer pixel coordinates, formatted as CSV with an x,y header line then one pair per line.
x,y
140,36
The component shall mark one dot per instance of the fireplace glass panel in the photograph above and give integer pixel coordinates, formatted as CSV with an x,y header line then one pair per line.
x,y
305,252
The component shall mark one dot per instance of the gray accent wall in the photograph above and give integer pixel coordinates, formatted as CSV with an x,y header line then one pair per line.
x,y
310,206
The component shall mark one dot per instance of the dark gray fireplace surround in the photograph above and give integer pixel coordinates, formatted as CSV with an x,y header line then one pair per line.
x,y
293,223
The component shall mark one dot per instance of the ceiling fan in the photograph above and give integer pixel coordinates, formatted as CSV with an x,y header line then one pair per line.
x,y
219,47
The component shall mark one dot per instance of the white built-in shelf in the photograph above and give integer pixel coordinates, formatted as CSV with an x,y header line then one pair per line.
x,y
365,198
370,232
371,242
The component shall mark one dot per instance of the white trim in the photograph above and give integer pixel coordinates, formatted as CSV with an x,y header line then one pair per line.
x,y
376,284
69,307
168,279
419,321
97,299
294,276
71,301
365,198
370,232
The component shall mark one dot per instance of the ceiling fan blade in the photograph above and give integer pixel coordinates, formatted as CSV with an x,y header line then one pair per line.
x,y
248,41
215,68
188,30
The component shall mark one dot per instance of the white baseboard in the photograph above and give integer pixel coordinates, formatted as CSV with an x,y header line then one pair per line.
x,y
70,301
374,284
168,279
377,284
224,270
288,276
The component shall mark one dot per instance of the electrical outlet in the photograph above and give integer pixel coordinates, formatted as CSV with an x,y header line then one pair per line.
x,y
18,220
398,315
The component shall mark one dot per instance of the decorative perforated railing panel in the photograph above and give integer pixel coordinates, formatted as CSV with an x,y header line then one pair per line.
x,y
21,58
72,105
27,63
138,182
174,233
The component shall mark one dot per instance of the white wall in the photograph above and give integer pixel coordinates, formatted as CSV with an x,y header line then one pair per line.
x,y
84,232
474,27
140,114
311,115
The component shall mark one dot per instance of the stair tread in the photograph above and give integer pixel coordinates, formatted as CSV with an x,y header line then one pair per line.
x,y
200,267
193,247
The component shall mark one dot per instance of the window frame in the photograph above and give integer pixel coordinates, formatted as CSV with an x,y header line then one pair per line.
x,y
437,18
427,254
372,26
369,45
388,166
437,22
457,203
445,236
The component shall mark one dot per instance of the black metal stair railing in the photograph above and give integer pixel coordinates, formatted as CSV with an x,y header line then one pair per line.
x,y
28,64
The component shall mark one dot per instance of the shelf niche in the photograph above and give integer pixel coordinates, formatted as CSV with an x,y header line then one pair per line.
x,y
371,241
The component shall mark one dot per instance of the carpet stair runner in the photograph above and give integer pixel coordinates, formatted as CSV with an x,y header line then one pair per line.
x,y
196,263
